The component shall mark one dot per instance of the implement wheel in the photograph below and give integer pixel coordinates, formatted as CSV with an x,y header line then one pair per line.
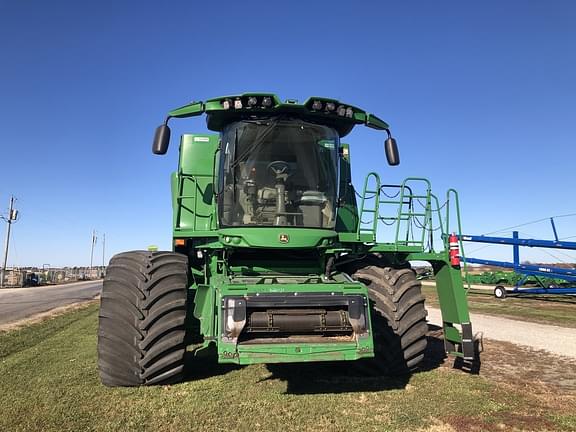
x,y
398,317
500,292
141,334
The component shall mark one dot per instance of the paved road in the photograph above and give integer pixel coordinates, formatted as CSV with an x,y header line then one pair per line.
x,y
20,303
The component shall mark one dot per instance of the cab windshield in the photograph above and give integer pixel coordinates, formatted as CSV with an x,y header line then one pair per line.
x,y
278,172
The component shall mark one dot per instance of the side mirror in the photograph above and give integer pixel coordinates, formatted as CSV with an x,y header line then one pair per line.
x,y
161,140
391,149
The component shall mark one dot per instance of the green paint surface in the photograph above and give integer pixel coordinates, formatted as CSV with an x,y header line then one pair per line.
x,y
289,259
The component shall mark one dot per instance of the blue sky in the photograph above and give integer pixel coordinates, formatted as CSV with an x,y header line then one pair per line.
x,y
481,97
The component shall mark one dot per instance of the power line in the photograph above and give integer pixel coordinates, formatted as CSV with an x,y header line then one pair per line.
x,y
530,223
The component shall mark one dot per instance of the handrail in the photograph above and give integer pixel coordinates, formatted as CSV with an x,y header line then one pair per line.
x,y
459,224
376,208
401,200
416,226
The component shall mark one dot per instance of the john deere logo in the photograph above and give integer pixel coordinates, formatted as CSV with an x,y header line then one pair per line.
x,y
284,238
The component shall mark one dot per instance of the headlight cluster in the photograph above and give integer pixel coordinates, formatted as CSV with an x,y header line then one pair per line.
x,y
249,102
329,106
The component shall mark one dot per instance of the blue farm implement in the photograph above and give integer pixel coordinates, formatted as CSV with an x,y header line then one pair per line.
x,y
539,273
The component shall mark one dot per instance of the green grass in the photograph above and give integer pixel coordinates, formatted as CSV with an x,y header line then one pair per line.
x,y
49,381
556,310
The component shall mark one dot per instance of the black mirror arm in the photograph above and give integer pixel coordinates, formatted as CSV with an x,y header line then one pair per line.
x,y
162,136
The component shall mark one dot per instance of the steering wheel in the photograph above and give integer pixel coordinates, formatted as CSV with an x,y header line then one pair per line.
x,y
279,168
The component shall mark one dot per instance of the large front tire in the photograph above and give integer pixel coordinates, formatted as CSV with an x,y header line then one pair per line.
x,y
141,334
398,317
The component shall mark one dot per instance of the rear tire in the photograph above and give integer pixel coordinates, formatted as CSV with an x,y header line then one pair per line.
x,y
141,334
398,317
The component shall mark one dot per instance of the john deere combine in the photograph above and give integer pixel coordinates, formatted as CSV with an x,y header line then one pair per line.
x,y
273,260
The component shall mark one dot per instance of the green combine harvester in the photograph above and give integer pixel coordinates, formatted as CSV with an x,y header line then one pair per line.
x,y
273,261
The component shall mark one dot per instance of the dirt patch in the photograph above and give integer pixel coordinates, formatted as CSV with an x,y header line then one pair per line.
x,y
549,380
546,383
4,328
500,422
522,367
529,368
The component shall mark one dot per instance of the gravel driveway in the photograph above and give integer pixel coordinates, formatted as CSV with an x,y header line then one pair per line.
x,y
554,339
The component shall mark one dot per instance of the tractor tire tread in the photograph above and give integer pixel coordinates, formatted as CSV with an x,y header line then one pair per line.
x,y
142,319
396,296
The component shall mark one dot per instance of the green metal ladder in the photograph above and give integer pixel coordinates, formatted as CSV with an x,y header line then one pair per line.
x,y
374,199
413,213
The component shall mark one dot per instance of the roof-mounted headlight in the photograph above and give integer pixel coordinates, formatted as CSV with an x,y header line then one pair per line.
x,y
267,102
226,104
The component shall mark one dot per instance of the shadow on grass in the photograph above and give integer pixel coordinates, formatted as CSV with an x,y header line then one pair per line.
x,y
330,377
354,376
436,355
334,377
205,365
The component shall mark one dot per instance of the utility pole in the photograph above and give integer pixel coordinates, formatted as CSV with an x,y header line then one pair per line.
x,y
94,239
12,216
103,251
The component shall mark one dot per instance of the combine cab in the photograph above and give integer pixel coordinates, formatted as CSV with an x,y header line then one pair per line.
x,y
274,260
